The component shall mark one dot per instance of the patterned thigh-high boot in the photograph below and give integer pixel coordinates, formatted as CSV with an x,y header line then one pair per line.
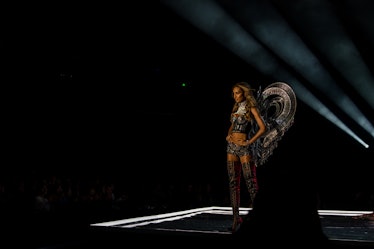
x,y
234,173
250,180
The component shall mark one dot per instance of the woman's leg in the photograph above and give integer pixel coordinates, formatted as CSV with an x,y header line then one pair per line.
x,y
249,177
234,173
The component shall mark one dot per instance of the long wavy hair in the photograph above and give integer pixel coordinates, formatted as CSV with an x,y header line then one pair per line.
x,y
249,98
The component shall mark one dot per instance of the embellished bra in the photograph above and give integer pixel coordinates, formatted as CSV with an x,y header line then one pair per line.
x,y
240,124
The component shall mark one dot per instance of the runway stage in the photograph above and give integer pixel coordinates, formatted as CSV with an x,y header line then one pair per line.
x,y
343,229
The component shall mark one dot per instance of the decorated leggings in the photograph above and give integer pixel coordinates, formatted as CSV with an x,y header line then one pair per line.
x,y
235,169
234,172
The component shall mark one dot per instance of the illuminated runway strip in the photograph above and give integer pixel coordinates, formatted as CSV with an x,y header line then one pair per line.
x,y
164,217
343,212
155,219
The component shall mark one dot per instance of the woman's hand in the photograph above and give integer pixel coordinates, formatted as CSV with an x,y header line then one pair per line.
x,y
244,142
228,138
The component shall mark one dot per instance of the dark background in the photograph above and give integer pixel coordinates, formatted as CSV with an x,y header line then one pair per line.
x,y
95,91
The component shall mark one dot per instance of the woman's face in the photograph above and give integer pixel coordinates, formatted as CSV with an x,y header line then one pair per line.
x,y
238,94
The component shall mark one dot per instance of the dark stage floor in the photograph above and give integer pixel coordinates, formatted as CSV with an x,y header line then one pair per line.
x,y
343,229
201,227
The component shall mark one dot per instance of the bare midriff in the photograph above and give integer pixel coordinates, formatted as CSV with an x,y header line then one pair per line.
x,y
238,138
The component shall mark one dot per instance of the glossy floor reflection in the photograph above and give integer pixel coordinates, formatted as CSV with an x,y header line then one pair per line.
x,y
342,228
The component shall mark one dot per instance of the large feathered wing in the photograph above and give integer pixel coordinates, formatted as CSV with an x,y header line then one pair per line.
x,y
277,105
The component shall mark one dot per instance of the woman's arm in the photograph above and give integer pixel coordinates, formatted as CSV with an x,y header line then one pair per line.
x,y
261,125
229,133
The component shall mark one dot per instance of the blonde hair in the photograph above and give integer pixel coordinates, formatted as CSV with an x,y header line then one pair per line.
x,y
249,98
